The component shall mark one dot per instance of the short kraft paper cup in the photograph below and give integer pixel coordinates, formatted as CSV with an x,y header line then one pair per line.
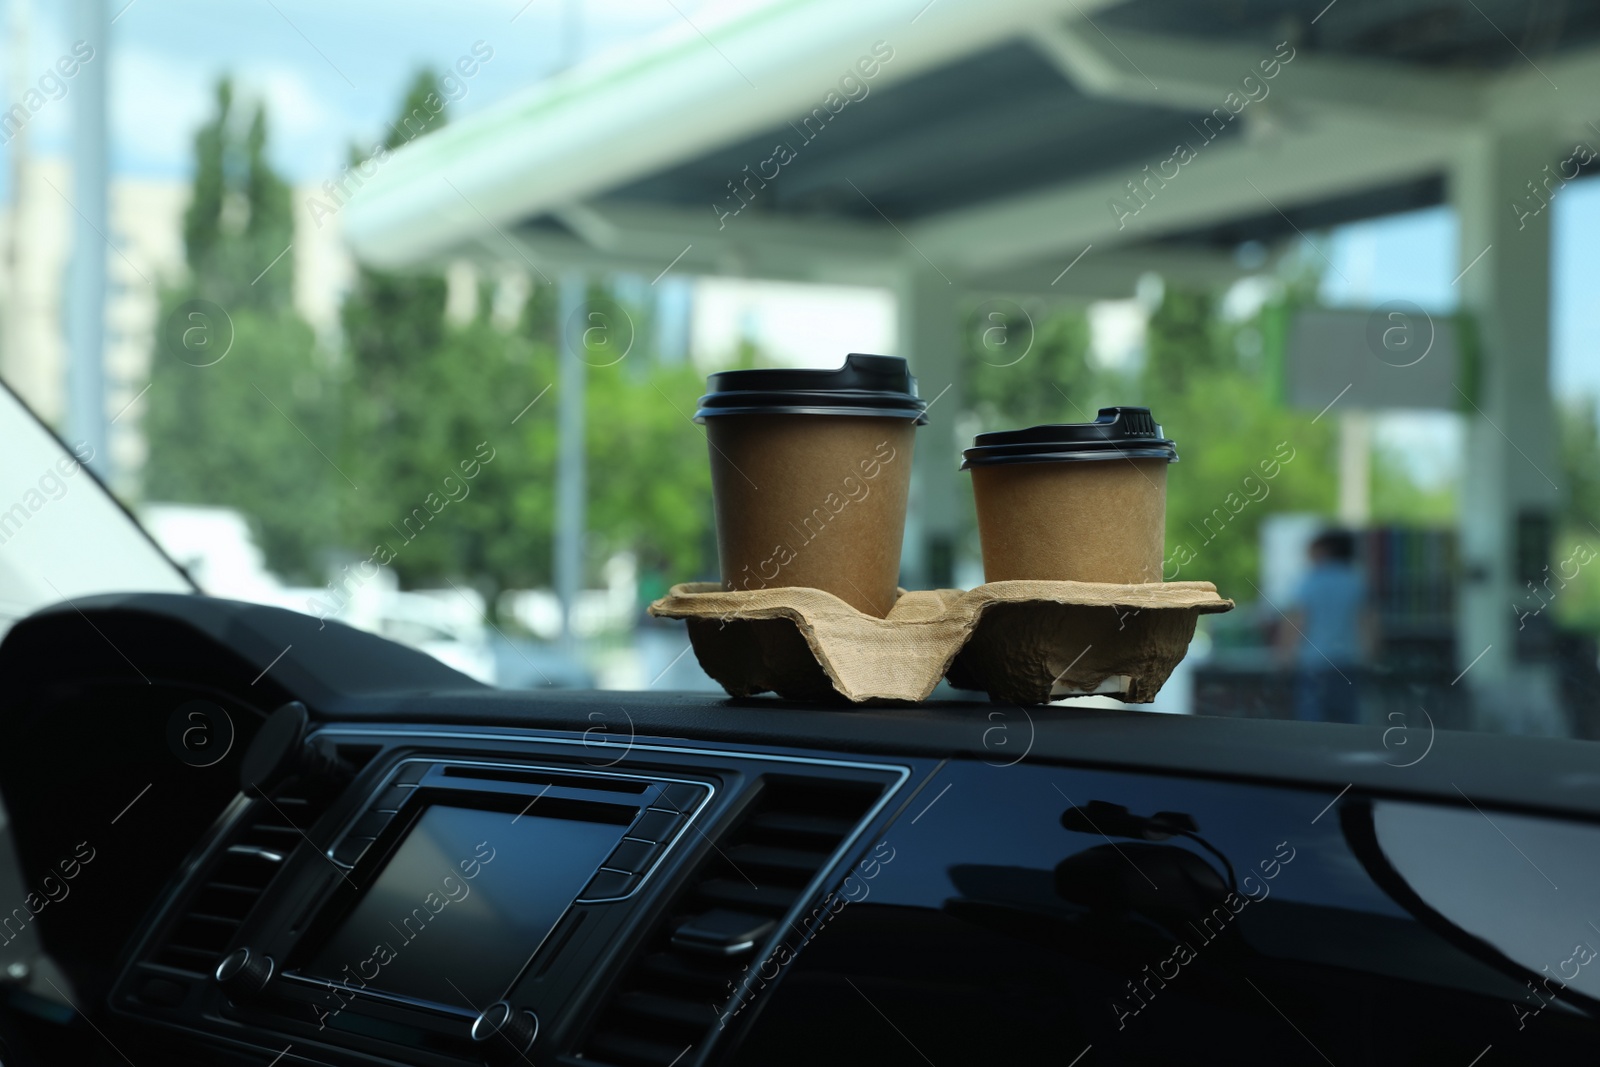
x,y
1073,502
810,473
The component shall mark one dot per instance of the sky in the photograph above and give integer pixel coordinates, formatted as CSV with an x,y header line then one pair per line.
x,y
331,71
1575,321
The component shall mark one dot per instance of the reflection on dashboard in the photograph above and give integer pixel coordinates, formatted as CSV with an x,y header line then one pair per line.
x,y
1473,872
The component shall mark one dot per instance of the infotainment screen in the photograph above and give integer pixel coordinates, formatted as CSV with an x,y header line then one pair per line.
x,y
462,904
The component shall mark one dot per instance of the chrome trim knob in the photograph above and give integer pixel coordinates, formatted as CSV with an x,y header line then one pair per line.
x,y
243,972
503,1032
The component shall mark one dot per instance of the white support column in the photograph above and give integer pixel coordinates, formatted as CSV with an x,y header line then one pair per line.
x,y
1355,468
929,336
1511,463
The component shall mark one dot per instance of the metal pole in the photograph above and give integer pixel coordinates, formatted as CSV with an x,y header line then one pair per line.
x,y
571,487
13,361
86,301
571,33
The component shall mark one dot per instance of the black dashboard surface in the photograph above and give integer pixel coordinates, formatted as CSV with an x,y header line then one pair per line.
x,y
350,676
968,881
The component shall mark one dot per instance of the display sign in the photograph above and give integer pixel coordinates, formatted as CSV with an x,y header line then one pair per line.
x,y
1394,356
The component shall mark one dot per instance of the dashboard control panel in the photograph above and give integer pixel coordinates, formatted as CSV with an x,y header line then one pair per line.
x,y
477,897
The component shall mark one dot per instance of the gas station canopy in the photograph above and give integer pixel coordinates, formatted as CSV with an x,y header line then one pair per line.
x,y
989,141
1053,148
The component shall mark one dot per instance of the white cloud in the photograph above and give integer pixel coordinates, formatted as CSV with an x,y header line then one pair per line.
x,y
294,107
155,108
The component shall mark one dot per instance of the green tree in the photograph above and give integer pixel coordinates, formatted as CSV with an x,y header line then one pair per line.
x,y
415,390
430,407
1184,343
426,394
455,405
202,220
1242,454
1397,499
648,478
649,471
1025,368
1578,530
1578,429
241,402
391,318
238,219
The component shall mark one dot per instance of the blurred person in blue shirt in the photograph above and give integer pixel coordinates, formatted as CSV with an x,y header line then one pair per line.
x,y
1330,632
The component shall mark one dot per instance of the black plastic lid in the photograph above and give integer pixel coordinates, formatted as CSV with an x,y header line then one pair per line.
x,y
865,385
1118,433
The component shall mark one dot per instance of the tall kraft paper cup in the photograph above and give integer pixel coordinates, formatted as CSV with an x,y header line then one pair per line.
x,y
810,471
1073,502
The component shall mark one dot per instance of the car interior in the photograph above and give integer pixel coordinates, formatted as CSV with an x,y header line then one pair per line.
x,y
873,652
232,855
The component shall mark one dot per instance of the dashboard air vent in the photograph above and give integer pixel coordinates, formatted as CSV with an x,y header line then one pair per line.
x,y
671,997
262,841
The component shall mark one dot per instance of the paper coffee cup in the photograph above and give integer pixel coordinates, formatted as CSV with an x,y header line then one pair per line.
x,y
810,471
1073,502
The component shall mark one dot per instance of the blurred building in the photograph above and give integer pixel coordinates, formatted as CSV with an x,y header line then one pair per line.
x,y
146,242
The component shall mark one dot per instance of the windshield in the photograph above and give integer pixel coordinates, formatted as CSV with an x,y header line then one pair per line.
x,y
61,535
400,315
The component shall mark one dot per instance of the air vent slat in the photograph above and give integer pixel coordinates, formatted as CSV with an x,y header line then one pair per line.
x,y
803,861
280,833
689,974
802,825
624,1050
726,892
668,1001
202,917
177,956
219,906
668,1009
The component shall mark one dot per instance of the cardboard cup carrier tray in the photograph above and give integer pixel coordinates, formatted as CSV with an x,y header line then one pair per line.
x,y
1025,641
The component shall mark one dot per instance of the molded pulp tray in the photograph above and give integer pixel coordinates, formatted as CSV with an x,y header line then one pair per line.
x,y
1025,641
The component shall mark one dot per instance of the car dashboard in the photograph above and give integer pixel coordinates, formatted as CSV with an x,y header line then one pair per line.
x,y
247,837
